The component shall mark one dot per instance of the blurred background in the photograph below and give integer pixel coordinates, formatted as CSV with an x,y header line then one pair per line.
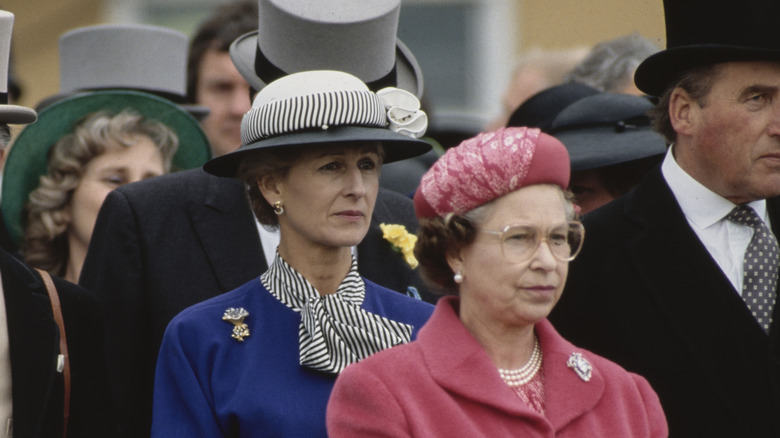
x,y
469,50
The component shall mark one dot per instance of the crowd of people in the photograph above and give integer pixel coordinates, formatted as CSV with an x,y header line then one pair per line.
x,y
211,251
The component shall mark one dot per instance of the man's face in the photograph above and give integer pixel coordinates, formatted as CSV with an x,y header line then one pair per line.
x,y
224,91
731,144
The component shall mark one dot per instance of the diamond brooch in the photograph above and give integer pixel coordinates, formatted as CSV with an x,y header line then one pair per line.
x,y
236,317
580,365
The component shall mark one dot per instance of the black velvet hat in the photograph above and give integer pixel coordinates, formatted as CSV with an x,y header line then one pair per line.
x,y
705,32
606,129
539,110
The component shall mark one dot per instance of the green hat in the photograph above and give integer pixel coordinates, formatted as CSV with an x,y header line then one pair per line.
x,y
28,156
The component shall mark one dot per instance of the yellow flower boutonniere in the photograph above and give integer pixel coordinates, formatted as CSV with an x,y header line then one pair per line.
x,y
402,241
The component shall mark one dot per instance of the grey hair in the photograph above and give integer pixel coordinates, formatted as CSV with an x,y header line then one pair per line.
x,y
479,215
610,65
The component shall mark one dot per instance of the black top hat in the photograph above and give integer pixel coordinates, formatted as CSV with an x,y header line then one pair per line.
x,y
606,129
705,32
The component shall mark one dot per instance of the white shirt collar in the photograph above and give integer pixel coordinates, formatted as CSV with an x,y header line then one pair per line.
x,y
701,206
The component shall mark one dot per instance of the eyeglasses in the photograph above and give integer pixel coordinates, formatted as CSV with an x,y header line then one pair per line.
x,y
520,242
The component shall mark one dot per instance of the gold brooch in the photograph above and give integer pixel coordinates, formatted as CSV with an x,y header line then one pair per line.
x,y
236,317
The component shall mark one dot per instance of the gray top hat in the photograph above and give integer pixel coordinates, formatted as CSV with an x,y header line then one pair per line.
x,y
353,36
144,58
606,129
9,113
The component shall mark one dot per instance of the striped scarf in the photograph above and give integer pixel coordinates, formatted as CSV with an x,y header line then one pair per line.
x,y
334,330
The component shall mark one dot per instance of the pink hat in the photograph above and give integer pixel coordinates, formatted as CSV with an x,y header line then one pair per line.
x,y
489,166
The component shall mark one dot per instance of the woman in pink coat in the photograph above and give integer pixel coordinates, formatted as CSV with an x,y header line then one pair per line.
x,y
497,232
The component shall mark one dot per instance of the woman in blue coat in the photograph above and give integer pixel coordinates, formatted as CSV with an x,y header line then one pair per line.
x,y
262,359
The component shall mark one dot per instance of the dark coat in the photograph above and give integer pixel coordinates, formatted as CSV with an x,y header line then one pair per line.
x,y
5,237
37,387
162,245
645,293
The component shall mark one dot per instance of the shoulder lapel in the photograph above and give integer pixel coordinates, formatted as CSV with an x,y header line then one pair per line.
x,y
688,286
671,260
225,226
377,260
561,381
773,206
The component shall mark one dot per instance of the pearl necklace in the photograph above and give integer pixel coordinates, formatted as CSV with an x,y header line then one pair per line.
x,y
521,376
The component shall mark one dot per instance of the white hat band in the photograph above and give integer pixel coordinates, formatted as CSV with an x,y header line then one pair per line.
x,y
316,110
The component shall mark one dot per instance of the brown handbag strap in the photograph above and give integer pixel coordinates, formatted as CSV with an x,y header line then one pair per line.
x,y
56,310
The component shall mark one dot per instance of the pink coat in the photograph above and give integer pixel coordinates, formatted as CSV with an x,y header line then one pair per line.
x,y
444,385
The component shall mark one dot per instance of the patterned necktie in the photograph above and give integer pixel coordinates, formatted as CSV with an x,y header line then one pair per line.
x,y
760,264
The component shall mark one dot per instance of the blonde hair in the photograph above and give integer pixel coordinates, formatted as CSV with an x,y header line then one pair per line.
x,y
45,243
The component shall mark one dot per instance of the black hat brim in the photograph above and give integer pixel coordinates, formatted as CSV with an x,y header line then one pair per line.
x,y
396,146
656,73
601,147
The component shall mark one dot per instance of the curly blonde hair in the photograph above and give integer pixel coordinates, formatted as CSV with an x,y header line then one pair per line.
x,y
45,243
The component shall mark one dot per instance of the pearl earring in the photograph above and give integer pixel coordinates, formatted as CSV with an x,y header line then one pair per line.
x,y
278,208
457,278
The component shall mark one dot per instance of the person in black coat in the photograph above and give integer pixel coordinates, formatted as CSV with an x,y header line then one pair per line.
x,y
43,377
658,286
33,337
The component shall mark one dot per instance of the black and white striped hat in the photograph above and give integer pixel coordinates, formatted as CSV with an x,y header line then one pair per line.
x,y
327,106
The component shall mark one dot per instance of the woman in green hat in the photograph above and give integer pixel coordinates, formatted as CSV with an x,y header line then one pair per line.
x,y
60,169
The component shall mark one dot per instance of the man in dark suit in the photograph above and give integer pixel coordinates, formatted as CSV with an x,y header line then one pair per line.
x,y
660,286
173,241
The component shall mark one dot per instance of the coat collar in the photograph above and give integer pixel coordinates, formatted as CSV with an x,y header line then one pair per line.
x,y
666,244
223,220
459,364
677,273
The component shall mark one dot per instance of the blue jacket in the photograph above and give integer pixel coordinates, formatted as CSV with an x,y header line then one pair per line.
x,y
209,384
